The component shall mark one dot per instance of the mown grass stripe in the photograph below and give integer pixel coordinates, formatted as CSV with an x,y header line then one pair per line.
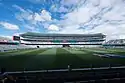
x,y
107,51
18,62
65,58
22,52
49,52
90,58
75,51
43,60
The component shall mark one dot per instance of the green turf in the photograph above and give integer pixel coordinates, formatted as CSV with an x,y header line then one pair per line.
x,y
64,58
42,60
53,58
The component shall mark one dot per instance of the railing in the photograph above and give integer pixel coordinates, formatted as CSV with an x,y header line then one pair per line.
x,y
3,71
69,75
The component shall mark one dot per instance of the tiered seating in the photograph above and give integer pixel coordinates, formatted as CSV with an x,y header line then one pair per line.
x,y
117,43
4,48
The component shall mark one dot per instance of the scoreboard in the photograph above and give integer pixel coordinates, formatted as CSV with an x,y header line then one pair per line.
x,y
16,38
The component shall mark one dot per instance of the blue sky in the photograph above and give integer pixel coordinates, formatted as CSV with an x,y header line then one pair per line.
x,y
63,16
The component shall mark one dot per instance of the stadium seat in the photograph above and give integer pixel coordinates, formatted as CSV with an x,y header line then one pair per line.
x,y
9,81
100,81
1,81
113,81
4,48
21,81
122,80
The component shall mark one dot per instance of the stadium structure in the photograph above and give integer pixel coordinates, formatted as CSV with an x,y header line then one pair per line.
x,y
83,58
61,40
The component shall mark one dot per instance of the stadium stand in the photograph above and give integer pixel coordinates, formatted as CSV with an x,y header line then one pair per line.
x,y
66,40
7,44
117,43
4,48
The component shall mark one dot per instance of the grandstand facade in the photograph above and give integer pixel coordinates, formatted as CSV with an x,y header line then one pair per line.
x,y
59,40
7,44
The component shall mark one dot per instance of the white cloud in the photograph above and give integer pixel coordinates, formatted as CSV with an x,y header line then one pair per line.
x,y
5,37
77,17
108,30
46,15
70,2
38,17
43,16
62,9
33,20
64,6
53,27
54,8
96,16
9,26
18,7
16,34
24,14
46,25
32,17
30,27
69,30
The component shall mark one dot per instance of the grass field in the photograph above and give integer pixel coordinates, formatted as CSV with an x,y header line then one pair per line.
x,y
56,58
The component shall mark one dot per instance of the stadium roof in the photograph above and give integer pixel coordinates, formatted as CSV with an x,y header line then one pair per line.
x,y
53,34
